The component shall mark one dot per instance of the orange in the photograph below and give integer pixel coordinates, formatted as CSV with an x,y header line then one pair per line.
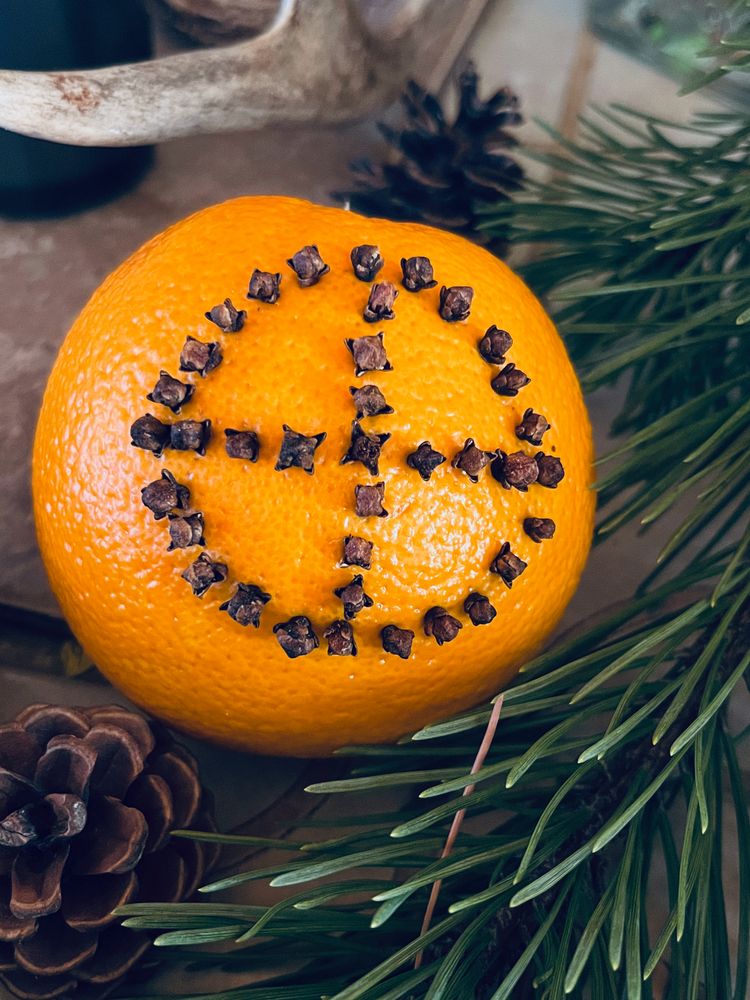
x,y
122,591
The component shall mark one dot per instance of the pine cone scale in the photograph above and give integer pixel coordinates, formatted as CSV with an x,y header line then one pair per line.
x,y
89,900
17,750
44,722
55,948
12,928
150,795
118,759
114,839
119,949
66,766
35,881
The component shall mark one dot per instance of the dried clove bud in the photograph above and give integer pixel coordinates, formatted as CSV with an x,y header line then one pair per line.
x,y
539,529
297,636
380,303
170,392
246,604
455,303
308,265
203,573
508,381
516,470
441,626
425,460
369,401
551,470
150,434
472,460
507,565
418,273
368,500
190,435
532,428
353,597
298,450
226,317
366,261
165,495
365,448
494,345
242,444
340,637
357,552
479,609
264,286
369,354
197,356
397,641
185,531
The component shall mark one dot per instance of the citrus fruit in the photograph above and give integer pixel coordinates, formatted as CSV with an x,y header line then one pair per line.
x,y
327,513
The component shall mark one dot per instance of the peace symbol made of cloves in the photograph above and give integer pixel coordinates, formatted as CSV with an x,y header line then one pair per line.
x,y
169,500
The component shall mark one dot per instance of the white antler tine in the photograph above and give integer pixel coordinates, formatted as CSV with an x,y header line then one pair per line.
x,y
316,62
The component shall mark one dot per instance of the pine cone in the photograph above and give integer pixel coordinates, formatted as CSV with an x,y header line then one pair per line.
x,y
88,799
443,171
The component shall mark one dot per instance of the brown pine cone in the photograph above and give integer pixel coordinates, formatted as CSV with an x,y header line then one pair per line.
x,y
88,799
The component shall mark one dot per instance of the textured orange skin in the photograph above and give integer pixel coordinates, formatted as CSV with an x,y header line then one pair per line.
x,y
120,589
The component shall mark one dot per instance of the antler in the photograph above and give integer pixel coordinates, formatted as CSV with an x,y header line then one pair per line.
x,y
318,61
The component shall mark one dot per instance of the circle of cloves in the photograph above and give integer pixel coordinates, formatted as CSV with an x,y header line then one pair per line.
x,y
369,401
366,261
494,345
149,433
246,604
170,392
199,356
204,573
242,444
340,638
425,460
397,641
165,495
472,460
185,530
357,552
190,435
551,470
379,306
296,636
479,609
369,354
368,500
517,471
539,529
455,303
532,428
507,565
352,595
298,450
441,625
226,317
308,265
509,381
417,273
264,286
364,447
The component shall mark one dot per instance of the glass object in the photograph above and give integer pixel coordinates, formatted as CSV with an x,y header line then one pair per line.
x,y
673,36
38,177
